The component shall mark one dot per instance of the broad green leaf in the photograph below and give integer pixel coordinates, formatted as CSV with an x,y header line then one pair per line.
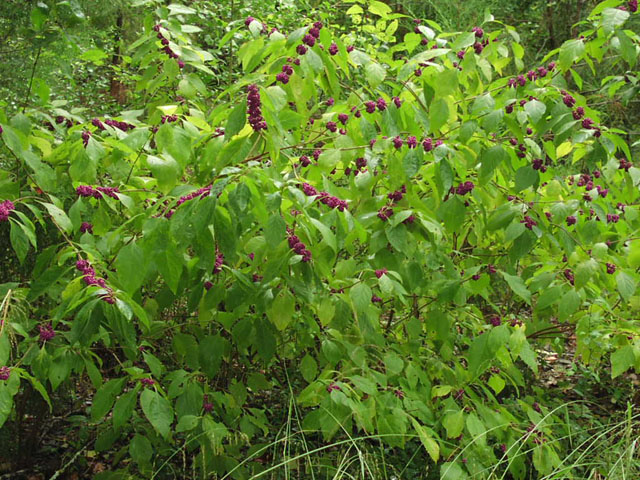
x,y
570,52
375,74
158,411
104,398
281,311
59,217
131,267
453,423
438,114
236,121
517,285
626,285
428,442
622,360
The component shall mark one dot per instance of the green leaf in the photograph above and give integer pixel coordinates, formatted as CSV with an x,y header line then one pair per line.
x,y
438,114
308,368
452,471
626,285
517,285
360,295
140,449
526,177
429,444
169,263
379,8
104,398
453,423
548,297
496,383
452,213
281,311
210,352
612,18
275,230
374,73
412,162
327,235
585,271
6,404
187,423
123,409
535,109
570,52
131,267
236,121
501,217
622,360
627,48
59,217
19,241
393,363
165,170
489,161
568,304
633,258
158,411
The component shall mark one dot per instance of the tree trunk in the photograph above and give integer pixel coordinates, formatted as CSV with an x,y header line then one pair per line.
x,y
117,89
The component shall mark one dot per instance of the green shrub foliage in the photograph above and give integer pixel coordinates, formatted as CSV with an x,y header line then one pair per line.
x,y
387,234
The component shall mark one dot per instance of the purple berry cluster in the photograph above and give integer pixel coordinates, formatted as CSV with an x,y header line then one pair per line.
x,y
538,164
532,75
97,192
568,274
385,213
613,218
86,227
217,267
333,386
6,208
625,165
90,279
361,164
329,200
147,382
297,246
165,46
46,332
67,121
285,74
463,188
5,373
201,192
529,222
254,110
387,210
397,195
380,272
86,135
169,118
380,104
123,126
207,406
